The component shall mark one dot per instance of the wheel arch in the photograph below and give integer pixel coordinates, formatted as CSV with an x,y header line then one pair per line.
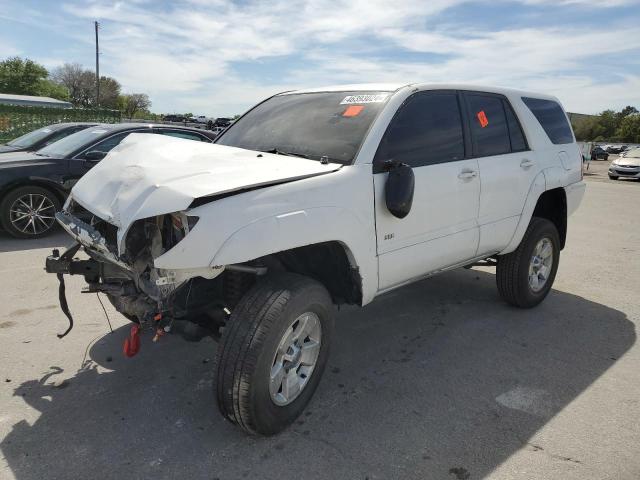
x,y
550,204
53,187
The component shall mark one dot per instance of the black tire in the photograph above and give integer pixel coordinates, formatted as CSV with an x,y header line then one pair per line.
x,y
248,345
512,272
612,177
12,196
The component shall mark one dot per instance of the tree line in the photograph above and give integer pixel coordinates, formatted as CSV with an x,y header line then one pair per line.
x,y
72,83
610,126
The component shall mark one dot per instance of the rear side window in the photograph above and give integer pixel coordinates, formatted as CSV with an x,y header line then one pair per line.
x,y
552,118
425,131
489,130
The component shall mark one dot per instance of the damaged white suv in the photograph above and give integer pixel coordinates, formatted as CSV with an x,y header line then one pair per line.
x,y
315,198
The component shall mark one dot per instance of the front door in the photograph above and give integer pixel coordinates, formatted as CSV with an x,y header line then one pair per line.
x,y
441,230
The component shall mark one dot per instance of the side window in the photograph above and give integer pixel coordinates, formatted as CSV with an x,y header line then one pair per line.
x,y
426,130
552,118
489,131
182,134
110,143
518,142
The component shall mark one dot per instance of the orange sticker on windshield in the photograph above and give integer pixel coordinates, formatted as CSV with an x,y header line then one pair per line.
x,y
482,118
353,110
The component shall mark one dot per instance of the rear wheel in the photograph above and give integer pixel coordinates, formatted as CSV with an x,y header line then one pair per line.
x,y
273,351
29,212
525,276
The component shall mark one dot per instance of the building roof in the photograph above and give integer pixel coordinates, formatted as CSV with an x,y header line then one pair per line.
x,y
30,100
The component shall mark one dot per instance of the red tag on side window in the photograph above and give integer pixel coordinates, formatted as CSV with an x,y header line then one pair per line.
x,y
482,118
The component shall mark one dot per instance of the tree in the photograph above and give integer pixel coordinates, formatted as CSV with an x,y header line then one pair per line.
x,y
132,103
48,88
629,130
76,80
109,92
81,84
21,77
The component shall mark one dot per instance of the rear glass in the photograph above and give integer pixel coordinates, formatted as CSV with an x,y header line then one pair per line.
x,y
312,125
552,118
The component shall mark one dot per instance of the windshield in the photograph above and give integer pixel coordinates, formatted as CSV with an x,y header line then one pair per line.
x,y
311,125
31,138
68,145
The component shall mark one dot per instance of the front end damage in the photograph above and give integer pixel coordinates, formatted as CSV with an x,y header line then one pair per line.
x,y
190,301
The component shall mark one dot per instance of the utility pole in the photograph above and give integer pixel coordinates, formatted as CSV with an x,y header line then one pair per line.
x,y
97,68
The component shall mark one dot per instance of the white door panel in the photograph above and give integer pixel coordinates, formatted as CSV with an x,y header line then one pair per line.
x,y
505,181
441,229
402,265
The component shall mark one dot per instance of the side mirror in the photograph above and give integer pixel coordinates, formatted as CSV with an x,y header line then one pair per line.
x,y
94,156
399,189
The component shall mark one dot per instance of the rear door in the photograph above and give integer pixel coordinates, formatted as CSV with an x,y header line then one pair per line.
x,y
441,230
507,167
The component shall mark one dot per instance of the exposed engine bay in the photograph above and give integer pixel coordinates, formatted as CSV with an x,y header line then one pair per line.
x,y
196,302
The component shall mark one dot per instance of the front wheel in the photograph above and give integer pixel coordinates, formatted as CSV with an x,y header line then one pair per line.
x,y
612,177
273,351
525,276
29,212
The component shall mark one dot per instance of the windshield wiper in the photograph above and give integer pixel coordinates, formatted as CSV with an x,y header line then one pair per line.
x,y
288,154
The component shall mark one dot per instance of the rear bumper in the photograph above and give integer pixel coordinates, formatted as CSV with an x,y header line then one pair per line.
x,y
574,193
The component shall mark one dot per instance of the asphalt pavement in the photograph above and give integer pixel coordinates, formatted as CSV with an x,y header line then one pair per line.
x,y
438,380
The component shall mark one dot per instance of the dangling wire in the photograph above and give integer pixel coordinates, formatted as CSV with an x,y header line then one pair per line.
x,y
105,312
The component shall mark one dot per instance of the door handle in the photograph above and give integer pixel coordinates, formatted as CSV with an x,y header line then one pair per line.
x,y
467,174
526,163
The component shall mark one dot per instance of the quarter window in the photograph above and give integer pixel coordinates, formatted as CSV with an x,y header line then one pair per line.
x,y
425,131
552,118
489,131
518,142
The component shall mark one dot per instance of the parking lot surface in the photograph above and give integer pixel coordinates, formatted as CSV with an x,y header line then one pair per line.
x,y
438,380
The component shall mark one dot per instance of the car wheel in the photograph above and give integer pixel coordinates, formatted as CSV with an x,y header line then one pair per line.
x,y
525,276
273,351
29,212
612,177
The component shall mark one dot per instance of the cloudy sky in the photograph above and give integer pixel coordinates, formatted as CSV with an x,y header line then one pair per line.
x,y
218,57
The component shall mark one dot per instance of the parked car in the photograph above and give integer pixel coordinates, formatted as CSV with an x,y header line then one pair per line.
x,y
42,137
627,166
200,119
174,118
33,185
598,153
315,198
614,149
222,122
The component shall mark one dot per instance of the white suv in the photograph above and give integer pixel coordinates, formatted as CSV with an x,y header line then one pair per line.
x,y
314,198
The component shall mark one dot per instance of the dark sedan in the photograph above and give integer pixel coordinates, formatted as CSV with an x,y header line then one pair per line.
x,y
599,153
33,186
42,137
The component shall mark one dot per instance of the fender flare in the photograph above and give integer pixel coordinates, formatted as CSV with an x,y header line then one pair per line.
x,y
538,187
299,228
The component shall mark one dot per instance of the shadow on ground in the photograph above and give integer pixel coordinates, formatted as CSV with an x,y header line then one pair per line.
x,y
56,238
437,380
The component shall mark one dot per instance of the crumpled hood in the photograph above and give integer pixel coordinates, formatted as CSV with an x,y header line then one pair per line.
x,y
149,174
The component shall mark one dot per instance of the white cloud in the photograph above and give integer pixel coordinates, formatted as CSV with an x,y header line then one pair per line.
x,y
185,54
